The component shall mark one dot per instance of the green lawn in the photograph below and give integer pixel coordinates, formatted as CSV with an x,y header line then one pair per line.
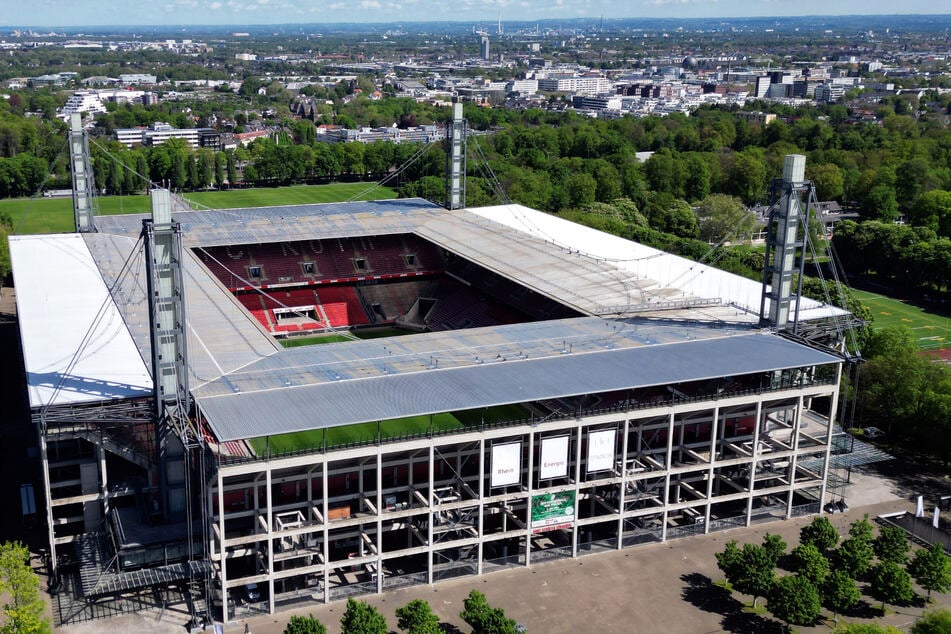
x,y
363,432
55,215
932,330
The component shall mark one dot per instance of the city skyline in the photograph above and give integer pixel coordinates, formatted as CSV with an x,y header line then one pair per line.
x,y
59,13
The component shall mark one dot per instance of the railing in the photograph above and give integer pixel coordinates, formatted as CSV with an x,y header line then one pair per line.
x,y
805,509
250,609
555,552
641,536
676,532
352,590
500,563
597,546
768,514
726,523
404,581
450,570
303,595
619,408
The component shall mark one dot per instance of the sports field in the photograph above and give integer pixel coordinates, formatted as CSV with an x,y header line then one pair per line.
x,y
55,215
364,432
362,333
931,329
368,432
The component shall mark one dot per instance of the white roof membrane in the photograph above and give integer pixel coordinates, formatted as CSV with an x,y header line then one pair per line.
x,y
646,263
76,346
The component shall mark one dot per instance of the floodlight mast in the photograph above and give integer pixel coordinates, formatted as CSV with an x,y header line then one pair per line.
x,y
81,168
163,252
180,446
786,230
456,160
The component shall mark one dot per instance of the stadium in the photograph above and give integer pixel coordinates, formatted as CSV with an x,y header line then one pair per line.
x,y
480,389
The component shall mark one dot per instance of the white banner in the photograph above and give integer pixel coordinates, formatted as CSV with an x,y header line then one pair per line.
x,y
601,450
554,458
506,464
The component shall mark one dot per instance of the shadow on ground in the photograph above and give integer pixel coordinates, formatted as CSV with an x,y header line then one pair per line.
x,y
700,592
911,473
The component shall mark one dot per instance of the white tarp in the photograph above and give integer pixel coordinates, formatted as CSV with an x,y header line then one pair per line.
x,y
601,450
506,464
76,347
669,271
554,458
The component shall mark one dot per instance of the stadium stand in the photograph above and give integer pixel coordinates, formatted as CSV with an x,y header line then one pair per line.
x,y
319,262
342,306
388,301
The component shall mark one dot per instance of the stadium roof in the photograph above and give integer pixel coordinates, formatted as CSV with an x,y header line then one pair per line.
x,y
652,318
76,346
376,380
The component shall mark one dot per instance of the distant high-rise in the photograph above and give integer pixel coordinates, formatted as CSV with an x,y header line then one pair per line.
x,y
484,48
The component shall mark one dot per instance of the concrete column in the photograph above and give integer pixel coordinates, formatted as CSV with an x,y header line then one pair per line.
x,y
625,428
221,530
270,539
714,426
797,425
668,464
752,480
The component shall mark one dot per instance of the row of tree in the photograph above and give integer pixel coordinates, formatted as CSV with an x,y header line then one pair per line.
x,y
903,256
827,571
416,617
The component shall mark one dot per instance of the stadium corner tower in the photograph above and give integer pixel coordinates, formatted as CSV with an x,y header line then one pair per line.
x,y
497,388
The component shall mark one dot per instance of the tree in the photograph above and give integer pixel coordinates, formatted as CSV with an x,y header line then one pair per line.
x,y
749,570
931,568
304,625
891,583
828,180
483,618
933,209
362,618
775,546
840,592
23,609
416,617
892,544
933,622
855,554
810,563
723,217
747,177
794,600
582,189
881,203
819,533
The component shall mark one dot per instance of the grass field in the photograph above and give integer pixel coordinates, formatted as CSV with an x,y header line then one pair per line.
x,y
931,329
55,215
363,333
365,432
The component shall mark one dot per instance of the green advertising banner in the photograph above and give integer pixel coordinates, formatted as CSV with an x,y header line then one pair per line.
x,y
551,511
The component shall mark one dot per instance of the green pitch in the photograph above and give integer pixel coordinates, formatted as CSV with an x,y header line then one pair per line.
x,y
364,432
362,333
932,330
55,215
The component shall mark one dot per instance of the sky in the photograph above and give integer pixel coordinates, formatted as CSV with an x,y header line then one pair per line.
x,y
73,13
